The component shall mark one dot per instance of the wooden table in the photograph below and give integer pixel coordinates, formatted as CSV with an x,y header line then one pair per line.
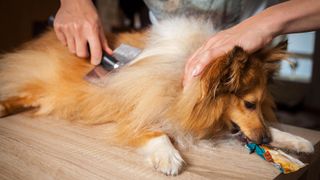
x,y
48,148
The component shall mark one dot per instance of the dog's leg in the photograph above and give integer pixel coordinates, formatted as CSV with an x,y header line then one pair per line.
x,y
289,141
159,151
14,105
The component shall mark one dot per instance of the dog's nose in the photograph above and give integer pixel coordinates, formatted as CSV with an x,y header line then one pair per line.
x,y
265,140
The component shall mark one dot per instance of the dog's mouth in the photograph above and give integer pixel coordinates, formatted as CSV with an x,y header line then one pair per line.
x,y
236,131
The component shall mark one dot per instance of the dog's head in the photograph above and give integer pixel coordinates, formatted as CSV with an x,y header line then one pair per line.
x,y
233,92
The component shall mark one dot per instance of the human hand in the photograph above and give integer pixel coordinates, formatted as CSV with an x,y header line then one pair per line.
x,y
77,24
249,35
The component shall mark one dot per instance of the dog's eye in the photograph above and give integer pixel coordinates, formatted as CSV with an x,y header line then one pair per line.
x,y
250,105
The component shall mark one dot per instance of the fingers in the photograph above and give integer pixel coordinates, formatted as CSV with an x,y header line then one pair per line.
x,y
95,49
98,42
197,65
70,40
60,34
189,66
81,48
104,43
66,37
200,59
81,45
77,39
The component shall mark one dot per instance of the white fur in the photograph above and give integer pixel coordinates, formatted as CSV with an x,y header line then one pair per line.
x,y
176,37
289,141
162,155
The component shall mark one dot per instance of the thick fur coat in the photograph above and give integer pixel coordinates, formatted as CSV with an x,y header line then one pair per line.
x,y
146,98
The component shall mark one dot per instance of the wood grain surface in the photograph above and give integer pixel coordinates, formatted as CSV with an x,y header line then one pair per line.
x,y
48,148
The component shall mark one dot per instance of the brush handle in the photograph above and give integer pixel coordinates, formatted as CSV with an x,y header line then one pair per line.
x,y
109,63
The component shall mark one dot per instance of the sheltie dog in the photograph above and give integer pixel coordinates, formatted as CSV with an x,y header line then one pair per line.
x,y
146,98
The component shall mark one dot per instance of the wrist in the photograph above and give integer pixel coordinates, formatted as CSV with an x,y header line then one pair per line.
x,y
275,21
269,23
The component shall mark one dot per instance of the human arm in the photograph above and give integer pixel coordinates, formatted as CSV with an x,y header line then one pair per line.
x,y
256,32
77,25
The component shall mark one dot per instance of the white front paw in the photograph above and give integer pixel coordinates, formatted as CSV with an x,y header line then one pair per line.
x,y
163,156
167,162
302,145
289,141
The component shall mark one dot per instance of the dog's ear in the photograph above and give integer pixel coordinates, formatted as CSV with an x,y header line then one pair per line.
x,y
237,69
224,74
272,56
210,79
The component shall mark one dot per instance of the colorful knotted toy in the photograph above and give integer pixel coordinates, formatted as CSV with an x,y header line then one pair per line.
x,y
284,162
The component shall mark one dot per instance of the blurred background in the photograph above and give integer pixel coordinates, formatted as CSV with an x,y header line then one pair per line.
x,y
296,88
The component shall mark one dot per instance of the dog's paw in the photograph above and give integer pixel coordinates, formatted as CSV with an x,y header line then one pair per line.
x,y
301,145
163,156
169,162
289,141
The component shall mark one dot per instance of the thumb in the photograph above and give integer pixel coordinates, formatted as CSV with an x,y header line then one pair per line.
x,y
201,61
208,56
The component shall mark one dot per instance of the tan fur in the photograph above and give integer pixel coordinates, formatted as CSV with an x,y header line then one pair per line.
x,y
144,138
146,96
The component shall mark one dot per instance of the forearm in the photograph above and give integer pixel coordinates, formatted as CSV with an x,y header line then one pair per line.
x,y
297,16
289,17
